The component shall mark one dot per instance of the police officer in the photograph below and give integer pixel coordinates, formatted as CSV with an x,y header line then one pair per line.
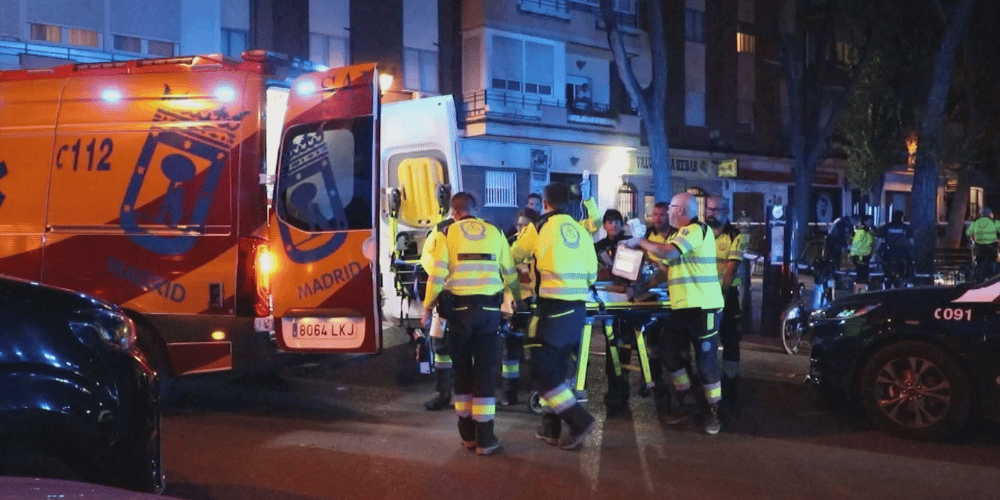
x,y
729,247
439,346
696,303
566,266
471,262
893,244
983,232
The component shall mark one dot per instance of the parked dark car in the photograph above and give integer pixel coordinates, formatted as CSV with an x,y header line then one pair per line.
x,y
921,361
74,386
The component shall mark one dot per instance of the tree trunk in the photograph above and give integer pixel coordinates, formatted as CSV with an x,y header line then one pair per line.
x,y
652,100
956,213
925,176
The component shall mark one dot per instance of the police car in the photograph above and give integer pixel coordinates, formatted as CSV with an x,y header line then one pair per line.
x,y
921,361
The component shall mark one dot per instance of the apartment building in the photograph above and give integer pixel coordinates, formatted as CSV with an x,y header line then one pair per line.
x,y
535,82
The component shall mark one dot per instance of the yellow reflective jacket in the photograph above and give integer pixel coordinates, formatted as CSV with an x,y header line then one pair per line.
x,y
565,260
983,231
693,277
470,257
729,245
861,243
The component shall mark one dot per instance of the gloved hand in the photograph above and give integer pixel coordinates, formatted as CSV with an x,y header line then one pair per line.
x,y
633,242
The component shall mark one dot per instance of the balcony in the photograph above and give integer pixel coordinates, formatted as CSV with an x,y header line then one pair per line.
x,y
496,113
558,9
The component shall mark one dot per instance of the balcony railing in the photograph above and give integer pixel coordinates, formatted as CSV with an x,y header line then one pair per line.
x,y
553,8
526,107
15,48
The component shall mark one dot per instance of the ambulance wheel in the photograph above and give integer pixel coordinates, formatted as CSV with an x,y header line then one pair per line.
x,y
535,403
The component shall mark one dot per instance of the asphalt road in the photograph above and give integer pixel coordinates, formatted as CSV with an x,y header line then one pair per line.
x,y
356,428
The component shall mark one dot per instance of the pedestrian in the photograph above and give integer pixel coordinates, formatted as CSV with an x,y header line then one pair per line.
x,y
513,335
696,303
861,252
730,244
532,202
566,266
439,345
837,239
983,234
893,247
470,267
617,396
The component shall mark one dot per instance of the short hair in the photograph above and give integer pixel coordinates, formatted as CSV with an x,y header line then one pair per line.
x,y
897,216
662,204
721,203
612,215
530,213
557,195
986,212
533,195
463,202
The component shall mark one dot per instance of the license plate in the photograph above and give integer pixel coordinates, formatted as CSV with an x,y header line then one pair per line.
x,y
323,333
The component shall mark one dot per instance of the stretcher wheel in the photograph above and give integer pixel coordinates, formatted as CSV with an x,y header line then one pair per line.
x,y
535,403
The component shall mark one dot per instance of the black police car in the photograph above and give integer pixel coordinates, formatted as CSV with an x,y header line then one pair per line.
x,y
75,388
921,361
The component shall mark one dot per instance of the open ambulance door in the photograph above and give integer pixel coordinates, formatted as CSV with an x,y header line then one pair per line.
x,y
419,141
323,232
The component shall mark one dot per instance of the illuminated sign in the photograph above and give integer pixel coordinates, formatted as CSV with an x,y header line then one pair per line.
x,y
727,168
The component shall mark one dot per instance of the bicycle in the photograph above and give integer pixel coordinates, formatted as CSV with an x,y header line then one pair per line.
x,y
795,318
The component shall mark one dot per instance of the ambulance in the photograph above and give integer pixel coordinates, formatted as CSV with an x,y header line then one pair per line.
x,y
234,209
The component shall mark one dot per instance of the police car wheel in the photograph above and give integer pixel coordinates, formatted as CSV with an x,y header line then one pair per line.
x,y
914,390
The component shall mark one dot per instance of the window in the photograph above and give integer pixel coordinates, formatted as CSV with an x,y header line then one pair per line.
x,y
162,49
500,189
87,38
694,108
694,26
623,6
325,176
329,50
744,112
128,43
522,66
46,32
234,42
745,43
420,70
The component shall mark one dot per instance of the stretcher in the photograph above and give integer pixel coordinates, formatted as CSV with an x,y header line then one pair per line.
x,y
614,309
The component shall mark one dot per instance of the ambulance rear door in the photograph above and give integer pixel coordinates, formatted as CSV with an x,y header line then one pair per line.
x,y
323,236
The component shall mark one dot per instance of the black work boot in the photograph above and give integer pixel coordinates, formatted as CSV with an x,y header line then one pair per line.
x,y
467,431
711,420
580,423
442,398
511,386
486,442
550,429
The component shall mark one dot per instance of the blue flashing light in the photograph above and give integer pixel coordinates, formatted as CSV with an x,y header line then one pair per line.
x,y
225,94
306,87
111,95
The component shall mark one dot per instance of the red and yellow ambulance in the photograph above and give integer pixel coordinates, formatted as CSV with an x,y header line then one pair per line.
x,y
146,183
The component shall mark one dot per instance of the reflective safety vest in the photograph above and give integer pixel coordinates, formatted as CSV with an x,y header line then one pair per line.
x,y
983,231
861,244
729,246
470,257
565,261
438,232
693,278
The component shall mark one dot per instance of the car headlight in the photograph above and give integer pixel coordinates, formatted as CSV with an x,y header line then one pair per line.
x,y
844,312
110,327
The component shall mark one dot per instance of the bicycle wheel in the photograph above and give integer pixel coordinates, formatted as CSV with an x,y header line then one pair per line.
x,y
792,324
